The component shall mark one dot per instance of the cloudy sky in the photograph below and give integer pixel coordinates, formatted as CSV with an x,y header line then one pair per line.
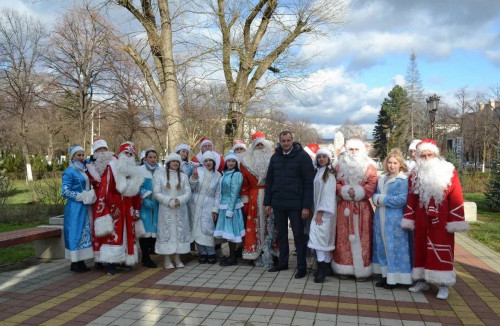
x,y
457,44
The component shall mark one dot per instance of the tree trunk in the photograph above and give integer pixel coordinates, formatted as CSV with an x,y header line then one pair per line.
x,y
50,149
29,173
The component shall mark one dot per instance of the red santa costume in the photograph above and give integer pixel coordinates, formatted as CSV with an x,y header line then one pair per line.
x,y
219,159
117,219
353,245
254,166
101,159
435,210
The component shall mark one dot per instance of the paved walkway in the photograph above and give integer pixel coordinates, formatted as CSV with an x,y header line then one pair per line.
x,y
49,294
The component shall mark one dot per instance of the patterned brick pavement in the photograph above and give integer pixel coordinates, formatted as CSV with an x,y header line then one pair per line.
x,y
49,294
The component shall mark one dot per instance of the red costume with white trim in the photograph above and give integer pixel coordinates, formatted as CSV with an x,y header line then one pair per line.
x,y
117,211
435,210
353,244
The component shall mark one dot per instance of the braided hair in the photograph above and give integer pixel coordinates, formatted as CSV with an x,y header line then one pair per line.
x,y
178,177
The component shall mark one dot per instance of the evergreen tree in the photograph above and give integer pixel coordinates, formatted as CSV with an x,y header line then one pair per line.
x,y
416,115
493,192
387,132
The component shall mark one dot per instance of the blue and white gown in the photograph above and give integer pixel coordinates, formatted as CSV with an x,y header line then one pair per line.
x,y
230,221
391,250
77,214
150,206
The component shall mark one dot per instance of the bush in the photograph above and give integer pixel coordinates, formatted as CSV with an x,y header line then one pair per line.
x,y
48,190
493,192
474,181
6,187
13,163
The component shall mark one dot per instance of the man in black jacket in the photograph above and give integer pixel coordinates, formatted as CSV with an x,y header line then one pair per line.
x,y
289,193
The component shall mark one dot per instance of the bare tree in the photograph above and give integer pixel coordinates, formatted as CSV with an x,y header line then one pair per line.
x,y
21,48
351,129
79,56
256,38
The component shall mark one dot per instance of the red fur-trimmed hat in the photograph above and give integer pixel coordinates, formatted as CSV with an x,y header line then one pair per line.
x,y
238,143
311,149
258,138
427,145
204,141
127,146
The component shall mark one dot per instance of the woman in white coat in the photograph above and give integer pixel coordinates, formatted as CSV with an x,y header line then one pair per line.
x,y
171,189
323,223
204,205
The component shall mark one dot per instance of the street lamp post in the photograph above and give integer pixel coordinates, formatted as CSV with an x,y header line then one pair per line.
x,y
432,107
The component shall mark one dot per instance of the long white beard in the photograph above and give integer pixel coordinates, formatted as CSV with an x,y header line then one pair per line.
x,y
430,180
257,161
352,167
128,176
102,159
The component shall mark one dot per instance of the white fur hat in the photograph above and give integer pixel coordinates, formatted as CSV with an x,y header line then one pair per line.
x,y
205,141
325,152
208,155
181,147
99,143
413,145
173,157
238,144
355,143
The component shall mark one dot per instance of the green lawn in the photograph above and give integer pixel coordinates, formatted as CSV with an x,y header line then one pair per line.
x,y
19,212
487,229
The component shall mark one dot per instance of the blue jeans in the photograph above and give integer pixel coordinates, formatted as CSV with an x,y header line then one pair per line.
x,y
205,250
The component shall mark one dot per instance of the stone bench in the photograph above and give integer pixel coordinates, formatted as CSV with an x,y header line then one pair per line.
x,y
49,239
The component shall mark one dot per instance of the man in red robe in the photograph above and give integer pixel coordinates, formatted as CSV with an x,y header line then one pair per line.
x,y
260,237
117,219
356,183
435,210
207,145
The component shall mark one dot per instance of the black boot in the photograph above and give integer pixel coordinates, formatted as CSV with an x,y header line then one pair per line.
x,y
321,274
82,266
76,268
231,260
203,259
381,283
145,244
212,259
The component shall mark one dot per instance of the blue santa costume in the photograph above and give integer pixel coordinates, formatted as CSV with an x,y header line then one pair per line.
x,y
77,213
391,249
149,213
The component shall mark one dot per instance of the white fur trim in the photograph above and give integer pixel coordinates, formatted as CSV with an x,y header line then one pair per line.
x,y
146,194
418,273
399,278
413,144
407,224
229,213
77,255
381,200
206,141
359,192
325,152
103,225
447,278
352,237
375,199
89,197
181,147
344,192
93,172
244,199
427,147
457,227
309,151
140,231
356,143
347,212
100,143
80,195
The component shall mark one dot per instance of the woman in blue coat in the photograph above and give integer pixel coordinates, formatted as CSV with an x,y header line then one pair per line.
x,y
149,208
391,250
230,218
78,211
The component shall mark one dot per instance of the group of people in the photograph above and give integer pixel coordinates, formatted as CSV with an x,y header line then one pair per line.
x,y
250,197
